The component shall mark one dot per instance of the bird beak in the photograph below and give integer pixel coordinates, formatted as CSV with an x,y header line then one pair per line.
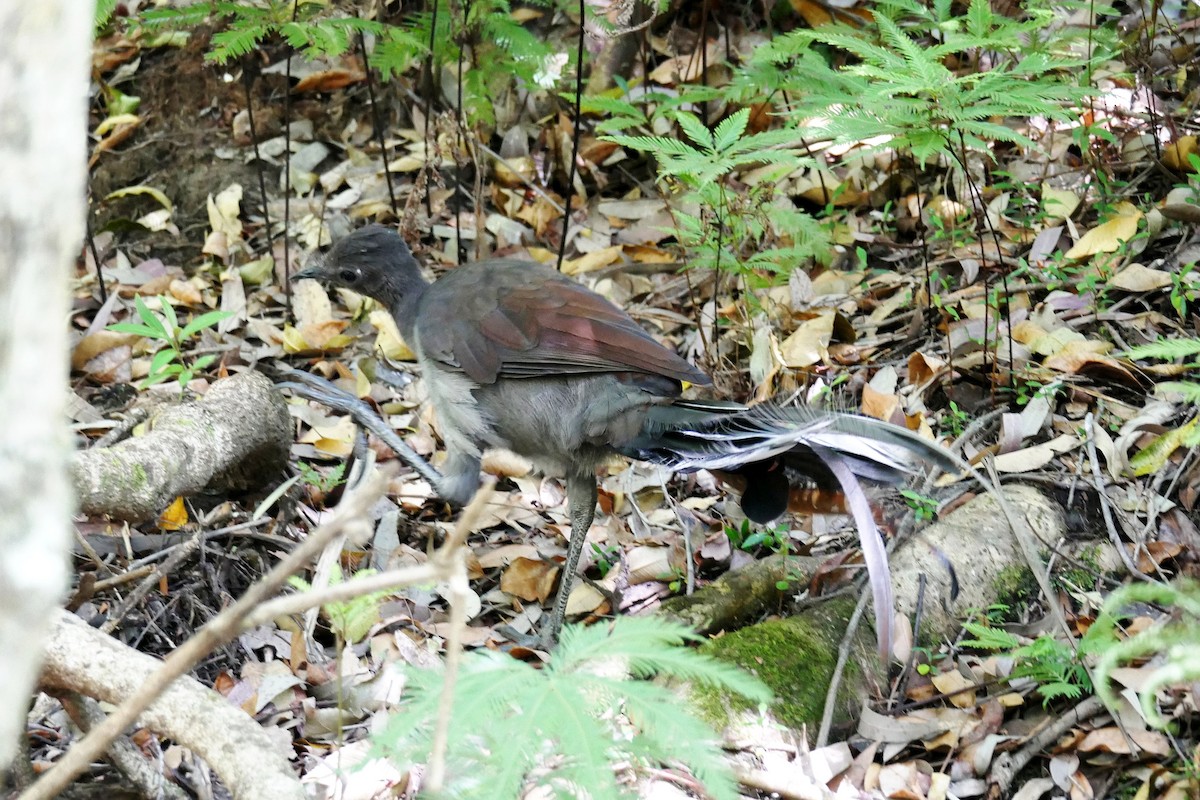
x,y
312,272
315,272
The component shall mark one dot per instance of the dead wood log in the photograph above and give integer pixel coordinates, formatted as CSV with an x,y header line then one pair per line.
x,y
82,659
237,437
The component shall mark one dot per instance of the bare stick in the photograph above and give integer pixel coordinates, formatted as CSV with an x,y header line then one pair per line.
x,y
453,555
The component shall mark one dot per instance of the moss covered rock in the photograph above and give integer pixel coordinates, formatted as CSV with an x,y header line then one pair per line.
x,y
795,657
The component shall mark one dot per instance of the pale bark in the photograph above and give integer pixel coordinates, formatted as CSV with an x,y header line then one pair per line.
x,y
81,659
44,53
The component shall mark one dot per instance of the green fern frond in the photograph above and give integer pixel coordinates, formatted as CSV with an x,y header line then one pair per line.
x,y
181,17
236,42
401,46
987,637
327,38
579,715
1190,390
1165,349
655,145
599,104
104,14
509,35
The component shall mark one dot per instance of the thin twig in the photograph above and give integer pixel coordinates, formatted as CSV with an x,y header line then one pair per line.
x,y
1007,766
453,556
378,119
298,603
839,669
91,240
208,537
576,134
135,417
287,165
247,82
145,775
148,583
1089,424
516,171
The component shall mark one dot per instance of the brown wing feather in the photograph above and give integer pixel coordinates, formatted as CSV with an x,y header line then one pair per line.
x,y
520,319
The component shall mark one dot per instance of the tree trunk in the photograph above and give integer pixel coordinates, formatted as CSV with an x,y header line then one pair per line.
x,y
45,49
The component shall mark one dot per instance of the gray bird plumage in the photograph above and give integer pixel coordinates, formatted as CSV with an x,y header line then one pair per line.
x,y
519,356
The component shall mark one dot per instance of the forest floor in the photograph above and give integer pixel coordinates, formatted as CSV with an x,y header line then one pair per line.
x,y
1049,395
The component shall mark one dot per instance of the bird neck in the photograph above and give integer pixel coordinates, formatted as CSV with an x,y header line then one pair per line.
x,y
404,308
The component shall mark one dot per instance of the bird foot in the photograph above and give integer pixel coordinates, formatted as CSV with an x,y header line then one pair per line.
x,y
543,640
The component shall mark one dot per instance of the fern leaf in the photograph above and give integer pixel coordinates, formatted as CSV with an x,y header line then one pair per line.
x,y
655,145
1165,349
236,42
730,129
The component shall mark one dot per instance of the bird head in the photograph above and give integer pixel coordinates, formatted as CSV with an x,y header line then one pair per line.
x,y
373,261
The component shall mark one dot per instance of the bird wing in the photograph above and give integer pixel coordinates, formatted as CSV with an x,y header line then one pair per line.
x,y
519,319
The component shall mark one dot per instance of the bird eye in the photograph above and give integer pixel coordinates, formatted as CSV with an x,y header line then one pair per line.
x,y
347,275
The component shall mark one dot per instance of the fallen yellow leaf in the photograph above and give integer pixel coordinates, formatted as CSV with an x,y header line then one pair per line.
x,y
1109,235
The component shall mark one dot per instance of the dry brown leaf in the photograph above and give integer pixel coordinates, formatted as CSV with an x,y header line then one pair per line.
x,y
100,342
1058,203
1110,235
635,209
647,563
506,464
814,14
224,211
955,681
388,338
903,781
1085,357
174,517
596,151
833,282
185,292
809,343
318,337
1035,457
688,68
122,127
592,261
330,79
1176,154
113,51
822,187
515,171
648,254
529,579
585,599
336,439
505,554
1112,740
878,404
1151,555
1140,278
540,214
923,368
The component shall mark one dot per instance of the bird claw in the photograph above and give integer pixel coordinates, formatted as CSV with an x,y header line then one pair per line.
x,y
542,640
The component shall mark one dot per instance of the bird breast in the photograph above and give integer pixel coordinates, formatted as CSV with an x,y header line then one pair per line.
x,y
565,426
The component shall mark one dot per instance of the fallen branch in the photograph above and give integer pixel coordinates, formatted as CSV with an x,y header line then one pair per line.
x,y
85,661
234,438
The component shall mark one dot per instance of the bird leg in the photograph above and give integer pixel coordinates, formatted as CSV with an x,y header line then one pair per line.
x,y
581,500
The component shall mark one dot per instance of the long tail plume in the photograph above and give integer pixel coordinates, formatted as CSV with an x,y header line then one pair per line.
x,y
769,445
